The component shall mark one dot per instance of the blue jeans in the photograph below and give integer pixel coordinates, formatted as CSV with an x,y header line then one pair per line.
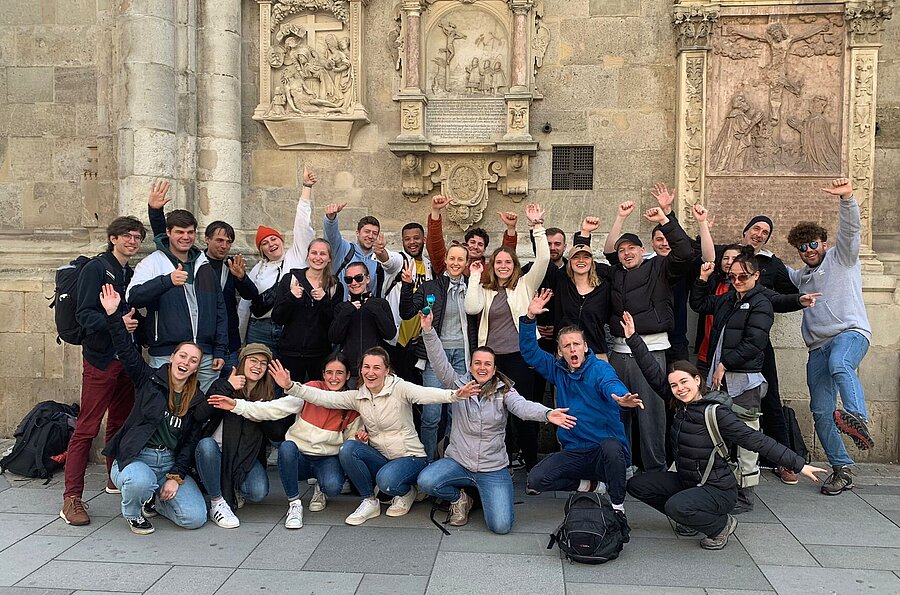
x,y
265,331
255,486
366,468
206,375
294,466
431,414
443,479
231,362
832,369
144,476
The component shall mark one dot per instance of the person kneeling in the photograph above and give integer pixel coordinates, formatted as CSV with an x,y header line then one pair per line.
x,y
702,491
476,456
155,447
593,452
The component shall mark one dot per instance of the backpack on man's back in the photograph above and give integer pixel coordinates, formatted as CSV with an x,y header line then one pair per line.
x,y
592,532
42,440
64,302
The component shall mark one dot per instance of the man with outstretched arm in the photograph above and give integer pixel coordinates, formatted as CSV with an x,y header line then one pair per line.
x,y
837,332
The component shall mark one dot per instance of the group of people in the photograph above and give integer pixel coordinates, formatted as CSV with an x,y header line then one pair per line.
x,y
394,374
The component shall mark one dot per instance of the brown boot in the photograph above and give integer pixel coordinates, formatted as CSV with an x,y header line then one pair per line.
x,y
74,511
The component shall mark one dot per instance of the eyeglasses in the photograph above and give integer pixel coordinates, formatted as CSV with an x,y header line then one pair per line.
x,y
355,279
740,277
134,237
810,246
257,362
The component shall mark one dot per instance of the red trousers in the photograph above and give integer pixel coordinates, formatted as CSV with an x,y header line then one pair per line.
x,y
102,391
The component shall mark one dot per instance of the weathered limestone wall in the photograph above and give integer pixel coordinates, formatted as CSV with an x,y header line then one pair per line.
x,y
149,82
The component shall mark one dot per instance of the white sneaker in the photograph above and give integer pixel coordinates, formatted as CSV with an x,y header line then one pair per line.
x,y
400,505
312,481
220,513
318,501
239,500
346,489
369,508
294,518
600,488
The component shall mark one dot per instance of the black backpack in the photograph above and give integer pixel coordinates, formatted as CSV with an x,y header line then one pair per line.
x,y
795,437
592,532
40,440
64,302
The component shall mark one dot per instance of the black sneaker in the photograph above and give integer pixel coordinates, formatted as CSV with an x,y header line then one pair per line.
x,y
148,508
684,530
517,462
854,426
841,479
140,526
745,501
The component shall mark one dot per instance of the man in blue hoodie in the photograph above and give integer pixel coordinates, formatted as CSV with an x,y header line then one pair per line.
x,y
836,331
595,450
183,298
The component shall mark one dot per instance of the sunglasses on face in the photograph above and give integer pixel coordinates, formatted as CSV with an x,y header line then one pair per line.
x,y
355,279
810,246
740,277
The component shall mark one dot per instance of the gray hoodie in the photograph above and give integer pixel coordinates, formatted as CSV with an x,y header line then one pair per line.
x,y
839,279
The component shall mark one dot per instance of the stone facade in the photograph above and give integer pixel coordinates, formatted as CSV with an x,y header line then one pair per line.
x,y
99,98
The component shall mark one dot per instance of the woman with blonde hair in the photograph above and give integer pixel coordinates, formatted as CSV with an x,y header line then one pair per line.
x,y
500,302
154,450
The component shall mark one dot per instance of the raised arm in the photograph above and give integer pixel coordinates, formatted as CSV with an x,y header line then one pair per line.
x,y
434,240
475,298
702,300
339,246
624,211
155,203
707,246
295,256
128,353
849,225
649,367
533,278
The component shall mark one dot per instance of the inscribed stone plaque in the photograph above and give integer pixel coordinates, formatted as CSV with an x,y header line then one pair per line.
x,y
472,119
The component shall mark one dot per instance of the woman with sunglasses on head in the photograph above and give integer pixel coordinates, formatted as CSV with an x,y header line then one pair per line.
x,y
255,317
387,454
231,457
363,321
154,449
304,307
311,445
742,320
500,302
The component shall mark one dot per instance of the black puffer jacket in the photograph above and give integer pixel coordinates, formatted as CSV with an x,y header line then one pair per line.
x,y
691,442
588,312
306,321
646,291
746,323
357,330
151,398
411,302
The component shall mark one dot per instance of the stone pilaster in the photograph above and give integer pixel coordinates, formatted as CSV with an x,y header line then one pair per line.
x,y
693,27
412,96
865,22
146,93
219,111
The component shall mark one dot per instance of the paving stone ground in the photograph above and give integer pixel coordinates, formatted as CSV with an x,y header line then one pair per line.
x,y
796,541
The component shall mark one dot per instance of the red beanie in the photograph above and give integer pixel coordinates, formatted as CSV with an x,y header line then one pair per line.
x,y
262,232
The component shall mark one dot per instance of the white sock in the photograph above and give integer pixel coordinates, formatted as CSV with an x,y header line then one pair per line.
x,y
619,507
215,501
584,485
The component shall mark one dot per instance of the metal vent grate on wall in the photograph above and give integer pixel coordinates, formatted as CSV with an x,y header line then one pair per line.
x,y
573,167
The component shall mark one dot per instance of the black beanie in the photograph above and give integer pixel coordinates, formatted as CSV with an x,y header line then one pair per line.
x,y
760,219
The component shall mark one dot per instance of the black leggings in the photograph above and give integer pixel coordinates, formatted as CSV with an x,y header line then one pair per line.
x,y
513,365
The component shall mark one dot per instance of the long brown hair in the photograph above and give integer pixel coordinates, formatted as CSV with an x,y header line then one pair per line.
x,y
493,282
691,370
329,281
190,388
263,390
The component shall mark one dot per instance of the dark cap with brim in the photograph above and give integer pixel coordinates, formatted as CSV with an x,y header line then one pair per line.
x,y
629,237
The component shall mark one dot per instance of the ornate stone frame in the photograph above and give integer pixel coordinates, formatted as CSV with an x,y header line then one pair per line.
x,y
314,130
500,163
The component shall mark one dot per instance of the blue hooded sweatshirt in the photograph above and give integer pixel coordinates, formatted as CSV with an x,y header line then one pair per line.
x,y
586,392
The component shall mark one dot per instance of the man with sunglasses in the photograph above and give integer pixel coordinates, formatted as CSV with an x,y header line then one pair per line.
x,y
363,321
105,387
836,331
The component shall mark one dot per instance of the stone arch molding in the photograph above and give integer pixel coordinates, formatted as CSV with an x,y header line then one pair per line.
x,y
311,72
467,71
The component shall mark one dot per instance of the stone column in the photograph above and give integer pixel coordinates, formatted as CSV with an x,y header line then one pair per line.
x,y
145,92
865,22
693,27
219,111
412,97
519,72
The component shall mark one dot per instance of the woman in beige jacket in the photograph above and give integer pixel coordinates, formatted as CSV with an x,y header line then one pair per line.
x,y
500,302
388,452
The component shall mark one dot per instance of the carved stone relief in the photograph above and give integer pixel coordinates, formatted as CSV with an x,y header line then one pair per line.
x,y
464,123
310,81
778,106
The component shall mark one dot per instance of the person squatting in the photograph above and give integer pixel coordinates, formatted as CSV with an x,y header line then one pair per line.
x,y
400,376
